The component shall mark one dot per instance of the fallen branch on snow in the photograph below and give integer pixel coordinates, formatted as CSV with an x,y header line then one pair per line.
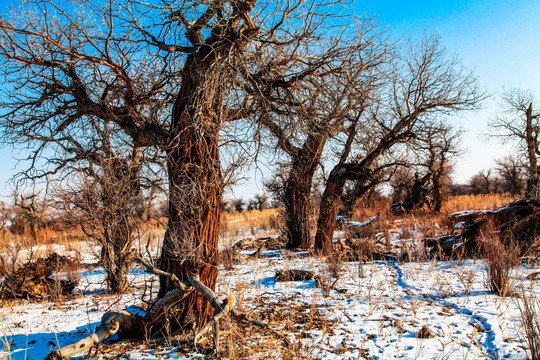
x,y
132,324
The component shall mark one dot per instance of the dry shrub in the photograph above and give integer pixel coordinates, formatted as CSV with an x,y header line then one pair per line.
x,y
330,273
502,258
529,309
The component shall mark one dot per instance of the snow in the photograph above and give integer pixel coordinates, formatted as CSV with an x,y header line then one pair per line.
x,y
374,310
354,223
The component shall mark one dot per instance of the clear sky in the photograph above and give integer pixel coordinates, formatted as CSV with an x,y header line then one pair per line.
x,y
498,39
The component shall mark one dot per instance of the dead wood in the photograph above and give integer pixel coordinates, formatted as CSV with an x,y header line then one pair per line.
x,y
517,222
297,275
137,326
233,255
415,200
111,322
364,249
269,243
35,279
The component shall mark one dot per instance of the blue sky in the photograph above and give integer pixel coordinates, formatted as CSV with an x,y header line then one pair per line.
x,y
498,39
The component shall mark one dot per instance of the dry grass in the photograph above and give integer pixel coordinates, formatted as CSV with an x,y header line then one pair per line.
x,y
235,225
529,308
502,258
476,202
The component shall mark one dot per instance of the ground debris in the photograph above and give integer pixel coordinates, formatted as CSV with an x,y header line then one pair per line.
x,y
35,279
518,221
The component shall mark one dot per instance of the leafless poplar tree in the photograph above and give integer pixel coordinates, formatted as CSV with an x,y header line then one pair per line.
x,y
422,85
321,103
518,123
123,63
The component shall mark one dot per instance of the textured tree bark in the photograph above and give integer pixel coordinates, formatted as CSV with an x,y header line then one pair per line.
x,y
331,199
297,192
328,212
298,210
195,191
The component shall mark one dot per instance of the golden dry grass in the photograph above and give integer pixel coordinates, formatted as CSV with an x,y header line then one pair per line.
x,y
238,224
477,202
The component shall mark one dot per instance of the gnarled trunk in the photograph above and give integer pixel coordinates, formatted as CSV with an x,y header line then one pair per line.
x,y
297,212
195,191
297,192
331,200
328,212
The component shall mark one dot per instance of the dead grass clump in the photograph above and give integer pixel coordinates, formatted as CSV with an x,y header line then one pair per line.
x,y
502,259
529,308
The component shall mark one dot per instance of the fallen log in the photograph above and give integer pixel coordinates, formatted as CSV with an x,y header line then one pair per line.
x,y
517,222
35,279
297,275
137,326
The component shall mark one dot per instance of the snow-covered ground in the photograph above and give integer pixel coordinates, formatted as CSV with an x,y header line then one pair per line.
x,y
373,310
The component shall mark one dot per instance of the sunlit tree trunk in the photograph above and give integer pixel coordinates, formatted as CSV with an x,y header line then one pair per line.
x,y
532,148
195,190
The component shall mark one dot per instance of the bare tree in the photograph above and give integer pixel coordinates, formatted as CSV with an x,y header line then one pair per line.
x,y
423,85
29,213
512,174
483,182
518,123
109,199
436,147
320,104
123,64
261,201
238,204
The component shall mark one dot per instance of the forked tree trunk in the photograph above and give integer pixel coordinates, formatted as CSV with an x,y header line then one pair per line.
x,y
195,191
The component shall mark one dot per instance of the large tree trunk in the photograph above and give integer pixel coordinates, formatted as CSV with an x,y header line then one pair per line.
x,y
330,201
297,192
328,212
195,191
297,213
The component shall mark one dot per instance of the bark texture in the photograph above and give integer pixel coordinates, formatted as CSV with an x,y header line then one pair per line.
x,y
195,183
297,192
